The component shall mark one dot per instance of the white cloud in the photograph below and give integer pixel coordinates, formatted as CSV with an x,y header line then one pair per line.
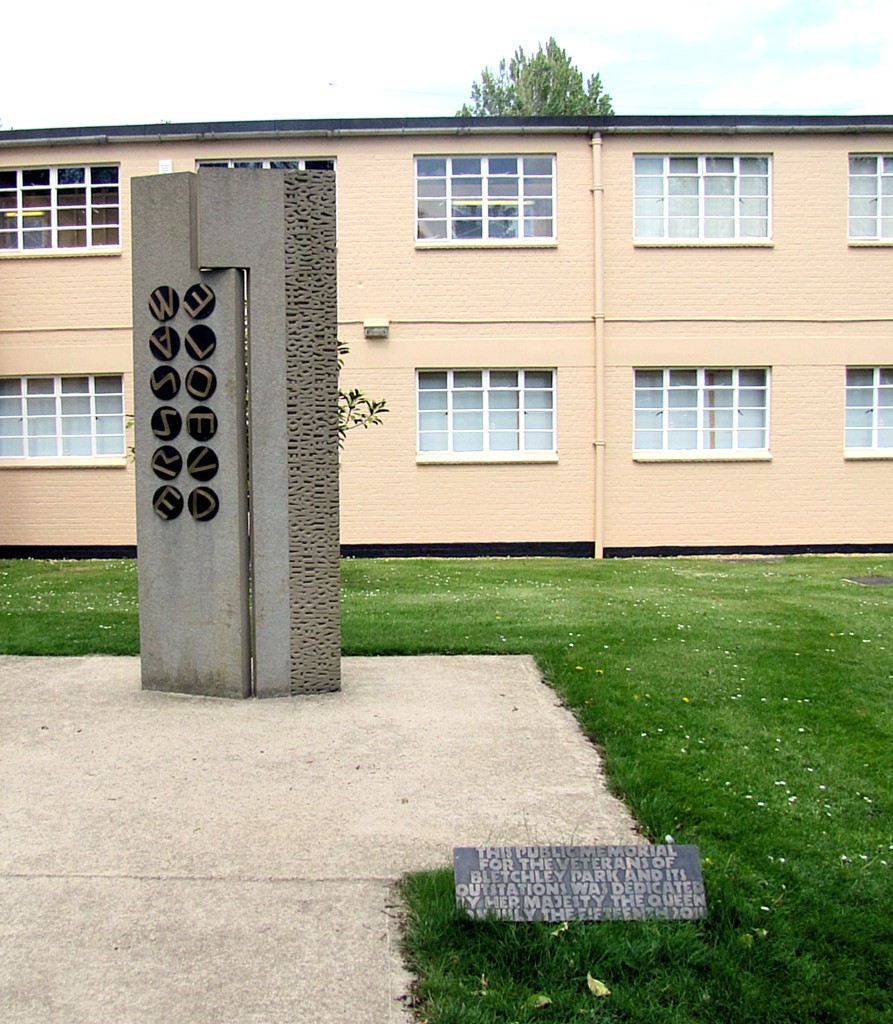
x,y
856,23
831,88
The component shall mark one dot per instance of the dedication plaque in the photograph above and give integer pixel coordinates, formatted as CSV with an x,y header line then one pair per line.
x,y
580,883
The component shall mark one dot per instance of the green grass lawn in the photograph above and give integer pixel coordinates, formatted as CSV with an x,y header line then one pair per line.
x,y
66,607
742,706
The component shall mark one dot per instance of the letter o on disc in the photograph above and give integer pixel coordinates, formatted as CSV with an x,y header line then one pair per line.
x,y
201,383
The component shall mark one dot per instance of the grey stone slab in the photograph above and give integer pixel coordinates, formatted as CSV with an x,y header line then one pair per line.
x,y
551,882
198,951
181,826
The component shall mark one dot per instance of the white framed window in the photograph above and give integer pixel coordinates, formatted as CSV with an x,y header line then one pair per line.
x,y
871,196
869,407
696,198
497,199
66,417
713,411
291,164
480,412
59,208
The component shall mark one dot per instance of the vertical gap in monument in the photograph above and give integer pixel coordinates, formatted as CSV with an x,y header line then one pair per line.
x,y
249,533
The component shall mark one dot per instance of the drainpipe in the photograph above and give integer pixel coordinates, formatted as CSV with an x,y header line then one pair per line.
x,y
598,317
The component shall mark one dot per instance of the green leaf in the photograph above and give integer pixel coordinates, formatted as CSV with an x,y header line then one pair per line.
x,y
538,1001
596,987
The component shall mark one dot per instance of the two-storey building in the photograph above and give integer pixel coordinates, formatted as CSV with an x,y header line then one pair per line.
x,y
594,335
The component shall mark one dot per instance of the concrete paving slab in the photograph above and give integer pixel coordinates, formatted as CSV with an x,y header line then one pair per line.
x,y
189,859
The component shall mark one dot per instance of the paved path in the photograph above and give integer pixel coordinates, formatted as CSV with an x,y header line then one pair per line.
x,y
183,860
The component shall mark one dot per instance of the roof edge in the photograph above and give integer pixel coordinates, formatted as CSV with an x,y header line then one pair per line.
x,y
332,128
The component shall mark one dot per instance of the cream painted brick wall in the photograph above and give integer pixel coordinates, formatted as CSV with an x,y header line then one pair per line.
x,y
386,497
809,271
806,306
807,494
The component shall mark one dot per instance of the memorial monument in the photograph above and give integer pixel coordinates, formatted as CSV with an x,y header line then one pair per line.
x,y
236,431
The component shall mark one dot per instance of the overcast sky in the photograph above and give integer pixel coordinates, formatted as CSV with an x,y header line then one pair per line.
x,y
67,64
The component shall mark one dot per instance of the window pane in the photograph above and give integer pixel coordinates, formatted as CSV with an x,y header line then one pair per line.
x,y
649,165
683,228
720,164
431,167
434,187
468,420
466,165
110,445
468,442
503,229
538,187
649,228
503,165
468,229
468,400
863,165
432,420
538,420
649,440
538,440
754,186
467,378
432,229
859,438
41,447
72,406
36,177
504,421
716,228
504,399
433,442
719,186
683,186
503,441
650,419
538,165
862,228
432,208
104,175
646,207
432,400
683,440
109,425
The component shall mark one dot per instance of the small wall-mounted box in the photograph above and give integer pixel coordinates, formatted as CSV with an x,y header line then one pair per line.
x,y
376,328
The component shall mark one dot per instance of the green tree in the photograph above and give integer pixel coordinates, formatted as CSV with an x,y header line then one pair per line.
x,y
545,83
